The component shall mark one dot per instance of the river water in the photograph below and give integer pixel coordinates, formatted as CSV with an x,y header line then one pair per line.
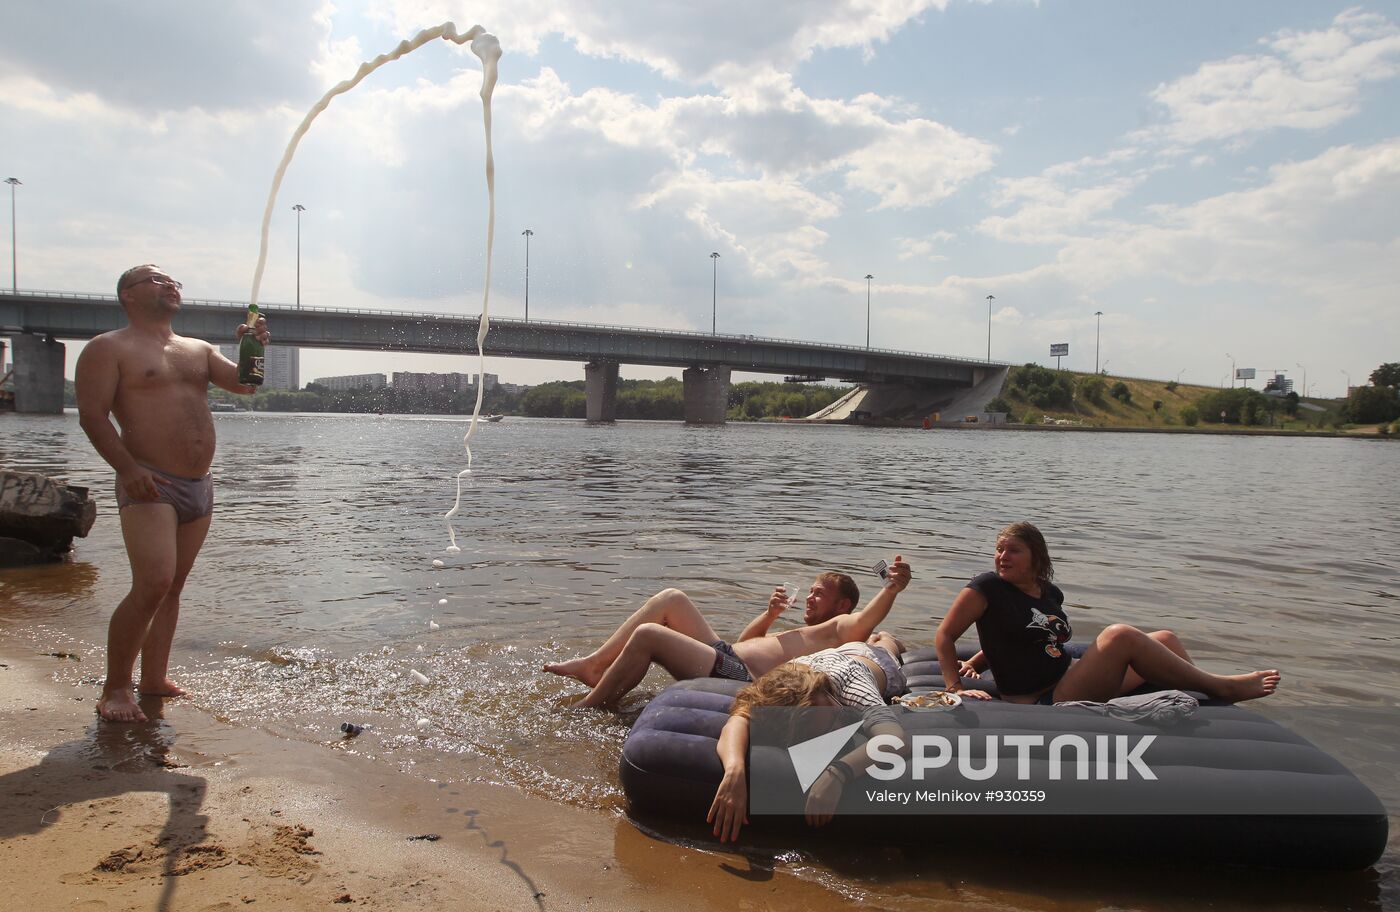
x,y
315,594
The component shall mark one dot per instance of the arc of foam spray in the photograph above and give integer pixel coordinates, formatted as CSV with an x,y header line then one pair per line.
x,y
488,50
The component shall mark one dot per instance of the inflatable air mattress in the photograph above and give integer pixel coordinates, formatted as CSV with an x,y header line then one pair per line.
x,y
1227,782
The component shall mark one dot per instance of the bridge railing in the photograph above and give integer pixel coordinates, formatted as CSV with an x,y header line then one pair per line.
x,y
563,324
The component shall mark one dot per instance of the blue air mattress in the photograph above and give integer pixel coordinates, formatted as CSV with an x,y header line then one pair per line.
x,y
1230,783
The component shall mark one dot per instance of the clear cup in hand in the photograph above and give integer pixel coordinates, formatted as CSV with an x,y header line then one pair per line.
x,y
791,592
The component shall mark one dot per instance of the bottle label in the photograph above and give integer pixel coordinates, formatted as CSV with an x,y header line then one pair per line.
x,y
250,370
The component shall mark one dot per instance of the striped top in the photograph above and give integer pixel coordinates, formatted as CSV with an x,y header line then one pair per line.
x,y
854,681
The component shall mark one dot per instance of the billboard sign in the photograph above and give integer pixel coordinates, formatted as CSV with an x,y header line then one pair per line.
x,y
1059,349
1244,373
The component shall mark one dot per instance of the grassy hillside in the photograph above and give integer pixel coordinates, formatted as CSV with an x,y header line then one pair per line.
x,y
1030,397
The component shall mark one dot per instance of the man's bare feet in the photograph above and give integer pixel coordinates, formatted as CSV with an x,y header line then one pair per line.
x,y
118,704
586,670
1250,686
162,688
592,700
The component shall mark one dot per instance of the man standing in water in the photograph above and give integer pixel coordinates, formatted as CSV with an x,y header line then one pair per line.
x,y
155,384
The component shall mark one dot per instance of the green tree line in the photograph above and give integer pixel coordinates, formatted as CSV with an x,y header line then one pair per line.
x,y
400,402
1379,402
664,400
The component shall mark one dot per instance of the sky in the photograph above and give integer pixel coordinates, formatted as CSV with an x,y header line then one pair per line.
x,y
1220,180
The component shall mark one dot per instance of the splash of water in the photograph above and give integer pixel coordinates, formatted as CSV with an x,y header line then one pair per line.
x,y
488,50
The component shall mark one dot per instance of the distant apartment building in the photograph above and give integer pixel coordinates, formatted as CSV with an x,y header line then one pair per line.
x,y
513,389
352,382
281,366
407,381
491,380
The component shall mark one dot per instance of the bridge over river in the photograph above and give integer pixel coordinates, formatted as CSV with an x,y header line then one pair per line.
x,y
891,380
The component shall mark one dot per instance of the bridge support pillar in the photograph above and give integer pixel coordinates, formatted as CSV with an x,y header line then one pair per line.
x,y
38,375
706,394
600,388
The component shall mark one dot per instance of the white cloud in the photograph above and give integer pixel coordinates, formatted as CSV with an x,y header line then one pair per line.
x,y
1008,316
1305,81
336,60
917,163
162,55
724,44
923,248
778,240
1050,212
1320,227
25,93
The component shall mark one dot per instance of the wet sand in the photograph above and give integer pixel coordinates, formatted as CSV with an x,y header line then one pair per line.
x,y
189,813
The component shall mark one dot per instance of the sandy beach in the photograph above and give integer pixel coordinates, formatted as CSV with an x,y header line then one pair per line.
x,y
189,813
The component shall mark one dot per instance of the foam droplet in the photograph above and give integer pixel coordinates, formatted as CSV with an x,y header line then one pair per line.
x,y
432,625
424,724
442,601
437,564
418,676
452,549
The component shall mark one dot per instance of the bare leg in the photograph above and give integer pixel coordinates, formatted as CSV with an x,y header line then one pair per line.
x,y
155,651
1099,674
683,656
670,608
149,530
1132,680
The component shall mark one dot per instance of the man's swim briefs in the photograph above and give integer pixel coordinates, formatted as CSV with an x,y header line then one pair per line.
x,y
192,498
728,665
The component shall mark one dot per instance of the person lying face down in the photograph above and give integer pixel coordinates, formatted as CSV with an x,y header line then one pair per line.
x,y
670,631
865,674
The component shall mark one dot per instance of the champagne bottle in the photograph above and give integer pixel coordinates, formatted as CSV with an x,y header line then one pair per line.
x,y
251,352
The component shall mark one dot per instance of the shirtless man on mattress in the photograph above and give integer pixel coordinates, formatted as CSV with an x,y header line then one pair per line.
x,y
670,631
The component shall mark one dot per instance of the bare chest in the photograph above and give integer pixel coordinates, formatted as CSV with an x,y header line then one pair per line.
x,y
176,365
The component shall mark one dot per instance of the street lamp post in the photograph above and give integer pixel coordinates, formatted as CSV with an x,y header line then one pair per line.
x,y
299,208
1232,369
1305,378
14,270
1348,376
528,234
990,299
868,277
714,291
1179,373
1098,325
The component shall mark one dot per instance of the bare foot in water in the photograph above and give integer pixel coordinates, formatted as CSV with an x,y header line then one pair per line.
x,y
118,704
585,669
1250,686
162,688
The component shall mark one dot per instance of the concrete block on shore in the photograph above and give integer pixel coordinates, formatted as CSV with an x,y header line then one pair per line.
x,y
39,517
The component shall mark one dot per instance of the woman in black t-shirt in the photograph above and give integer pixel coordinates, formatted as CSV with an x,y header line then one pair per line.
x,y
1022,625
